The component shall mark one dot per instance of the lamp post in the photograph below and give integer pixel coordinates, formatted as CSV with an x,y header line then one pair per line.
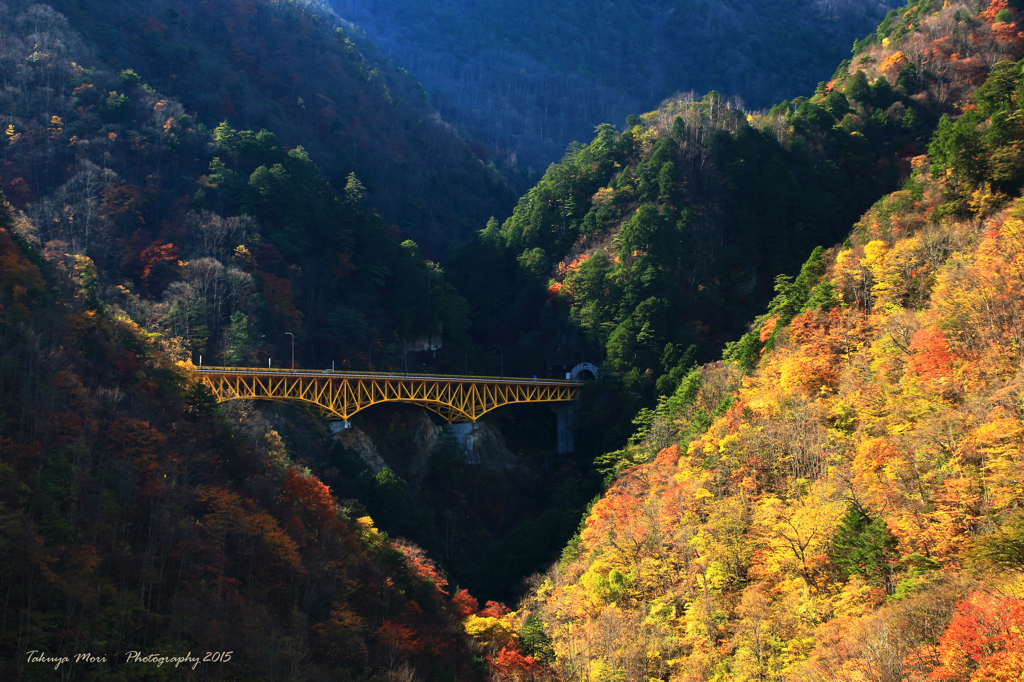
x,y
293,348
501,357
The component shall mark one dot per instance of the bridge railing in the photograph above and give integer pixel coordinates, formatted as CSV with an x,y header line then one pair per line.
x,y
341,374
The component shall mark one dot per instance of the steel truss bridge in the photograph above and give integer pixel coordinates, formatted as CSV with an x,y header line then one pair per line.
x,y
339,395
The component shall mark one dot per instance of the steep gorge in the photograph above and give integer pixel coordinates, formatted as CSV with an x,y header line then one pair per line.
x,y
850,469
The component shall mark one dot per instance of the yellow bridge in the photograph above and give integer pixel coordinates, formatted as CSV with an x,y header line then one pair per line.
x,y
339,395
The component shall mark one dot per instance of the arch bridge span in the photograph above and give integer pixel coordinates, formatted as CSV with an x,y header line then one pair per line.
x,y
339,395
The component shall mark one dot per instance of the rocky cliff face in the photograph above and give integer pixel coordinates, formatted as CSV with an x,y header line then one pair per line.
x,y
484,445
355,439
407,442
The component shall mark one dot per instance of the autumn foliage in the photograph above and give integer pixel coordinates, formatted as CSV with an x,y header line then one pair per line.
x,y
840,499
983,642
311,495
512,666
129,503
464,603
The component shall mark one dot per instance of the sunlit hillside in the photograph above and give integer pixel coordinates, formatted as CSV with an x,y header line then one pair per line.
x,y
840,499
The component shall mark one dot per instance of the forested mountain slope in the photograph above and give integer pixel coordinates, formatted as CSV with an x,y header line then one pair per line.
x,y
528,77
314,80
221,237
227,245
840,499
134,516
670,234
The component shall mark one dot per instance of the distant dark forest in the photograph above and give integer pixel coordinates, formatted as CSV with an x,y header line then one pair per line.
x,y
313,80
526,78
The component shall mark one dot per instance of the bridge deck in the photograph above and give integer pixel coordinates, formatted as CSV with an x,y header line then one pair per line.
x,y
339,374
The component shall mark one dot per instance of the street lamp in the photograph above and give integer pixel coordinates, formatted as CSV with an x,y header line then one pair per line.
x,y
293,348
501,356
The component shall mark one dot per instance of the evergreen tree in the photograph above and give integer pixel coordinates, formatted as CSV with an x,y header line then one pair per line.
x,y
864,546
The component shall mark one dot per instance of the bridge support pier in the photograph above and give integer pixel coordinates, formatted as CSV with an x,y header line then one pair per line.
x,y
339,426
565,413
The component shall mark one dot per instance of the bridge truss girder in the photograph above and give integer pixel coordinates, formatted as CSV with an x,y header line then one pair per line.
x,y
339,396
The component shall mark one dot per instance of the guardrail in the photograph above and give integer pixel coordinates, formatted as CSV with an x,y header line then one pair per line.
x,y
341,374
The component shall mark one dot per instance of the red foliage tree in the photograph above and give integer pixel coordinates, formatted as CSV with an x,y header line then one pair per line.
x,y
983,642
464,603
420,565
510,664
494,609
995,7
312,495
931,358
20,280
159,264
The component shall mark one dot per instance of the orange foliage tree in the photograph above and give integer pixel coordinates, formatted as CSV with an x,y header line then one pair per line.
x,y
983,643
